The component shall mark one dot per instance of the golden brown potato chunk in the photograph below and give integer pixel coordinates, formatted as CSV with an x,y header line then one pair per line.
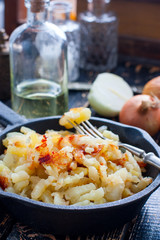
x,y
75,114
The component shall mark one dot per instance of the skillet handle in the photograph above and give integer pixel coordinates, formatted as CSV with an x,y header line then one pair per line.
x,y
9,117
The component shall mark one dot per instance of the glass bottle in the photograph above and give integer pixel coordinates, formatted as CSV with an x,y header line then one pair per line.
x,y
1,13
59,14
38,53
98,51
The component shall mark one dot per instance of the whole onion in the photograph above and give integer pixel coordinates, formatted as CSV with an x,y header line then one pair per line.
x,y
152,87
142,111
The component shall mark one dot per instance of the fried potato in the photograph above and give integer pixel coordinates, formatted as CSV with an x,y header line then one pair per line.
x,y
59,167
75,114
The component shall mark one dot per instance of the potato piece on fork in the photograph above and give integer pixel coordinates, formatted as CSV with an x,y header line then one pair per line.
x,y
75,114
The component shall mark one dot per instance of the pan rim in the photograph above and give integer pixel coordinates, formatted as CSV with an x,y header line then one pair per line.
x,y
131,199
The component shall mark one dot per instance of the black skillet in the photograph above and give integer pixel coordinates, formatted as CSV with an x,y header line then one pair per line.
x,y
71,219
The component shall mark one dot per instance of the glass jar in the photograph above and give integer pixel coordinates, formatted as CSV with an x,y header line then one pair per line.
x,y
98,51
38,63
59,14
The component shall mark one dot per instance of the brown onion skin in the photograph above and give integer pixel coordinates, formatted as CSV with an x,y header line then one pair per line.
x,y
152,87
148,120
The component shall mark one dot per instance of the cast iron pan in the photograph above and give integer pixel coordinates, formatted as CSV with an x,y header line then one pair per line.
x,y
70,219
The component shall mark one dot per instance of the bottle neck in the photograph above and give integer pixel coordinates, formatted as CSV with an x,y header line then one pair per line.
x,y
36,18
57,16
59,11
37,11
97,7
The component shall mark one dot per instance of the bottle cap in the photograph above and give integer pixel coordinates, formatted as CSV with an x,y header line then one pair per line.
x,y
37,5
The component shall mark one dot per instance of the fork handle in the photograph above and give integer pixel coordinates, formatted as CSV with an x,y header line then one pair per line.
x,y
134,150
152,159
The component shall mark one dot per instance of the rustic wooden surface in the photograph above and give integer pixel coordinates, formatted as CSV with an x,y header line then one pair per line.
x,y
147,224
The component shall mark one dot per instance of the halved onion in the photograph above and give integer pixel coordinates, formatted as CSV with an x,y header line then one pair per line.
x,y
108,94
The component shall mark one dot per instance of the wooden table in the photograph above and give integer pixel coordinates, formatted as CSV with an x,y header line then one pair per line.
x,y
147,224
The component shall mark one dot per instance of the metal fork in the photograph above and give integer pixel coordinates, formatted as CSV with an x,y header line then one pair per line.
x,y
87,128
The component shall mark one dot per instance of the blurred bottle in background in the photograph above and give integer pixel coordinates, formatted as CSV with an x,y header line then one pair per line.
x,y
1,14
38,63
60,14
99,31
73,14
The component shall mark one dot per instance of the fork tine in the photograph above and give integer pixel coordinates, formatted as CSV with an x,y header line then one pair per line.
x,y
83,130
87,128
80,128
90,127
76,126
